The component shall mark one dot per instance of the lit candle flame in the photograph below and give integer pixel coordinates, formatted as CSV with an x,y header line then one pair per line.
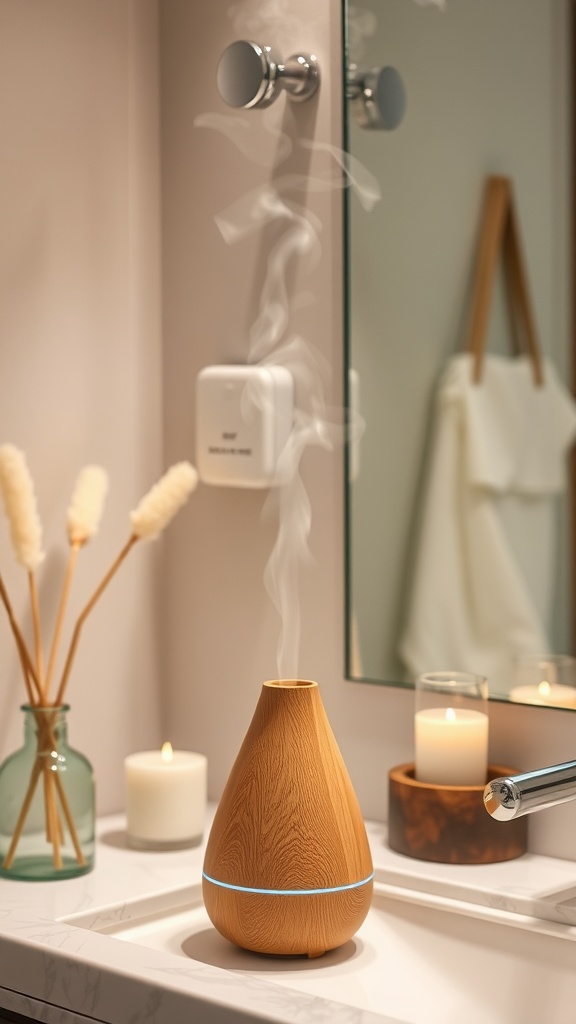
x,y
544,688
167,752
450,715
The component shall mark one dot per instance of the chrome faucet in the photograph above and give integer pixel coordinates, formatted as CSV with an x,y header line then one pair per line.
x,y
508,798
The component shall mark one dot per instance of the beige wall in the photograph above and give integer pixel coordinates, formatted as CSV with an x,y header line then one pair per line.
x,y
80,373
80,378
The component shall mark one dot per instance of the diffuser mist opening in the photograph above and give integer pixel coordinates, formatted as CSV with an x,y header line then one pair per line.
x,y
291,684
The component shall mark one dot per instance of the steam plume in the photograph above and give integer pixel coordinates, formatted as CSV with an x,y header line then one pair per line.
x,y
269,337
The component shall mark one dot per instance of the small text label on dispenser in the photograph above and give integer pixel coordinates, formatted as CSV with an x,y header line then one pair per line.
x,y
244,416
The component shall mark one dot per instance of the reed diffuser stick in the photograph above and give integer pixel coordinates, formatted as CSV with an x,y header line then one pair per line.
x,y
69,820
47,808
37,635
35,775
72,557
83,520
84,615
28,669
46,737
27,683
45,741
55,825
155,510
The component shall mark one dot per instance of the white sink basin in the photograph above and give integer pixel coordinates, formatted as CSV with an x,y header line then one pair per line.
x,y
418,958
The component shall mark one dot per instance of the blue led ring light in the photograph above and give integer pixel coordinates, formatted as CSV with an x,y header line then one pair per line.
x,y
288,892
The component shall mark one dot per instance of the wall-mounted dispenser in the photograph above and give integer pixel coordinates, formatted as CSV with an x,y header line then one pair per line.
x,y
244,417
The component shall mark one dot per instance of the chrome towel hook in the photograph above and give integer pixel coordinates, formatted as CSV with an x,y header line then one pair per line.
x,y
250,75
378,97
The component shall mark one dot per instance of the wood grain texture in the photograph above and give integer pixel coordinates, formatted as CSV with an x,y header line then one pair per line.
x,y
500,234
288,819
449,824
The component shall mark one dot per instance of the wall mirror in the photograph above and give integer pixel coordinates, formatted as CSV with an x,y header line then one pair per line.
x,y
488,88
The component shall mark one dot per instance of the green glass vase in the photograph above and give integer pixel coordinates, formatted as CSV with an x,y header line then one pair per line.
x,y
47,804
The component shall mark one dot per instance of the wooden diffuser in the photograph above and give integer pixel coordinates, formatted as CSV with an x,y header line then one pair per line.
x,y
288,868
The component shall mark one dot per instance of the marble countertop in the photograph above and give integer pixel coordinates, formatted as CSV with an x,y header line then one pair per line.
x,y
56,967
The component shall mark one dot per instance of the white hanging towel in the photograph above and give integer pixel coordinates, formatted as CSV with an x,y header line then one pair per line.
x,y
482,588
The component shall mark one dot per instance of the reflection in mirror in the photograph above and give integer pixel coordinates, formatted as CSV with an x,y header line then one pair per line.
x,y
458,524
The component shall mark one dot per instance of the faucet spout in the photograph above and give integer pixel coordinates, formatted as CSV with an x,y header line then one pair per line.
x,y
521,794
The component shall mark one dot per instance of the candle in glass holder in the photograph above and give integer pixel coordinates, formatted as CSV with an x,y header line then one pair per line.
x,y
451,729
451,746
548,679
165,794
554,695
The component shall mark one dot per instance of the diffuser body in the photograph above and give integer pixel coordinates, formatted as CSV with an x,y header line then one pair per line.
x,y
288,868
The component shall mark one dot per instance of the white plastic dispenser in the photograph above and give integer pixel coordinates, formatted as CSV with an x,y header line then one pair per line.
x,y
244,416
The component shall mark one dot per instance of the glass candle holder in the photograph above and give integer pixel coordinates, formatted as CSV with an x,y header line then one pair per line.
x,y
546,679
451,729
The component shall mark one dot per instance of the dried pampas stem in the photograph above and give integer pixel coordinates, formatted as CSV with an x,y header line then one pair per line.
x,y
155,510
26,677
163,501
28,670
83,520
85,613
74,551
19,500
87,504
37,635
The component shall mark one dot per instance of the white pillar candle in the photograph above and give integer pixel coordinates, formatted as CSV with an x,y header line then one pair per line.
x,y
451,746
165,792
550,694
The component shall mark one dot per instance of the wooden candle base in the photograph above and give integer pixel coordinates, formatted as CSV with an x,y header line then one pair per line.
x,y
449,824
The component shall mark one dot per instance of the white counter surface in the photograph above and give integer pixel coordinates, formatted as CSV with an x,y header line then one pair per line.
x,y
60,970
